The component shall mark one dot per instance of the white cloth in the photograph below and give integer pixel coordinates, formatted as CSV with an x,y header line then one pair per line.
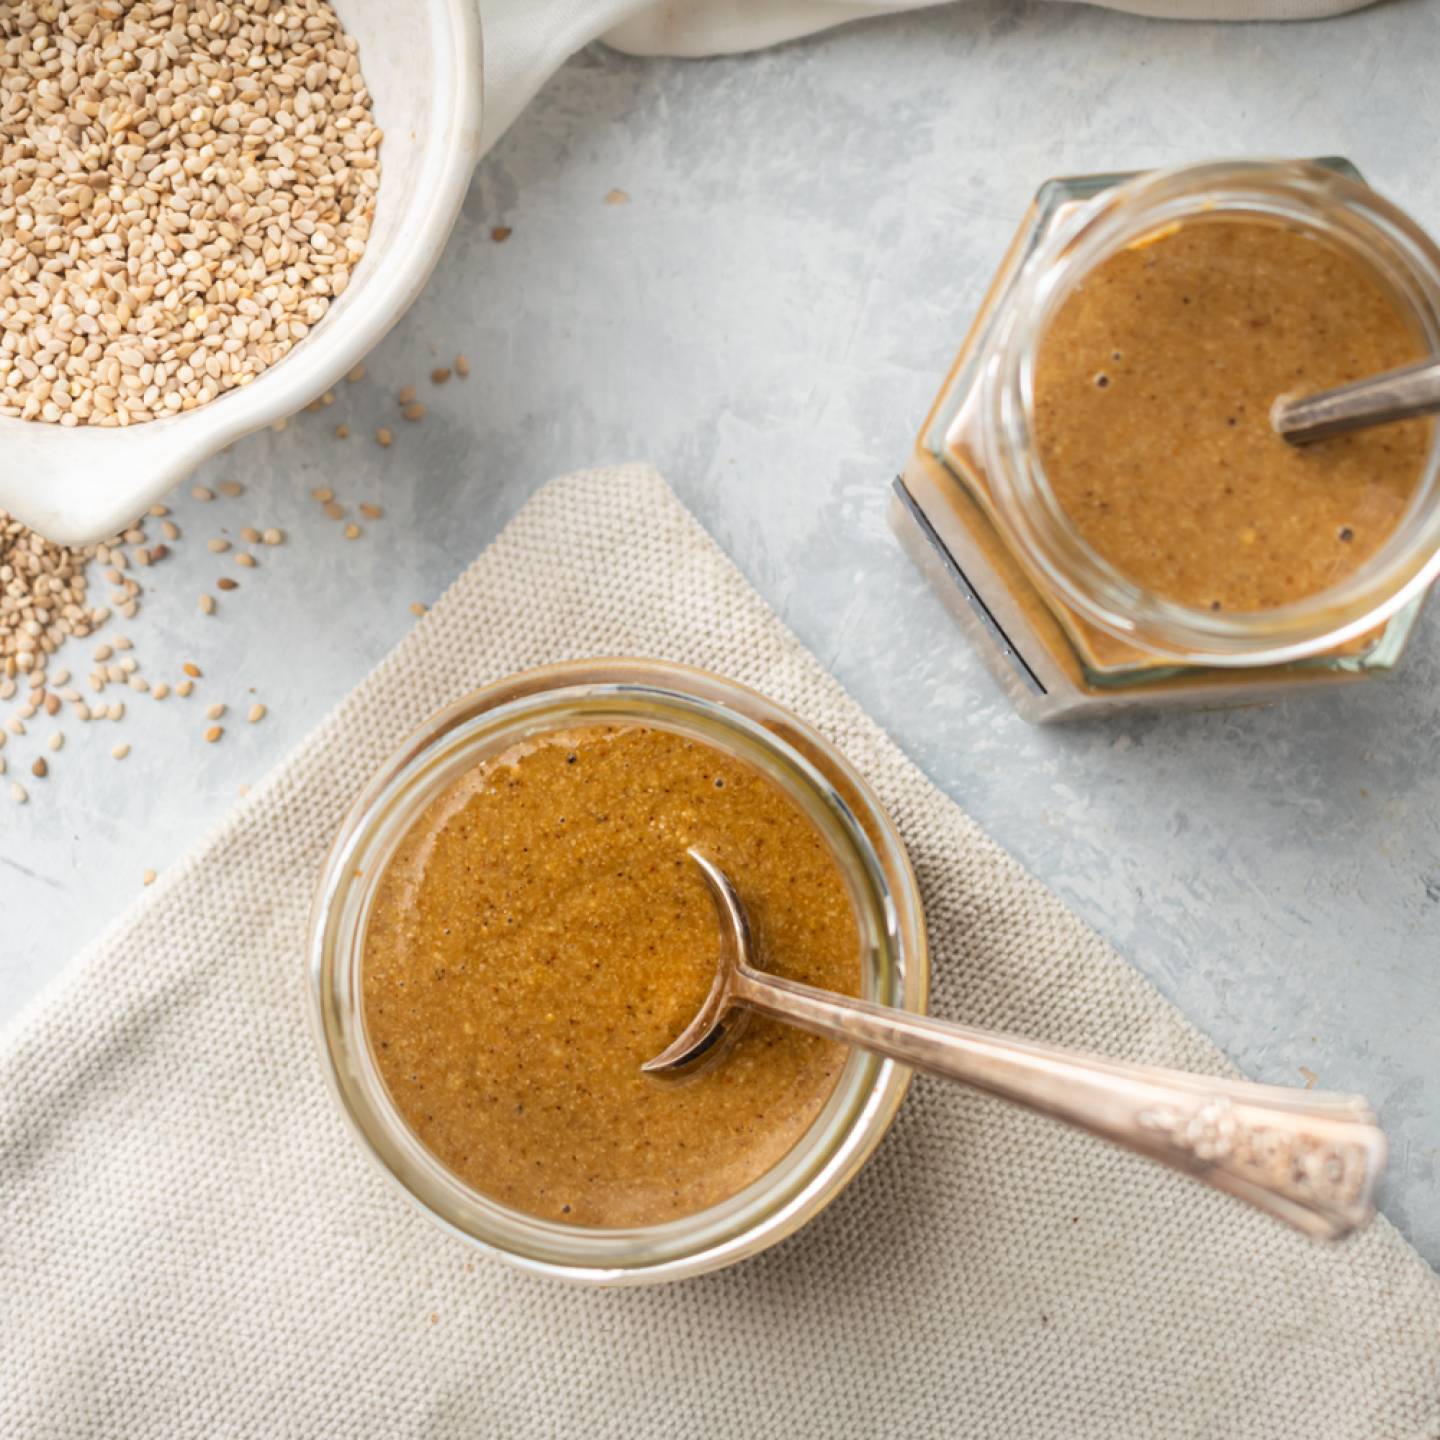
x,y
191,1244
526,41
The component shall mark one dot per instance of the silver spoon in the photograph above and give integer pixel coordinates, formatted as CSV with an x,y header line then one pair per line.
x,y
1310,1158
1377,400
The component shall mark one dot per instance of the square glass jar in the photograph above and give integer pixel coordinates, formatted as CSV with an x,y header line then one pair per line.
x,y
1065,634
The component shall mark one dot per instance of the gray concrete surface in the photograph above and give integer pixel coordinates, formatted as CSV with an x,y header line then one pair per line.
x,y
767,319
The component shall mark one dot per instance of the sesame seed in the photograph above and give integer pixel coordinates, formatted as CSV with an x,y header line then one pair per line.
x,y
218,545
440,376
383,437
232,489
245,558
274,537
358,373
148,878
120,751
371,512
406,395
256,713
414,412
462,366
207,604
199,492
192,670
226,583
352,532
214,733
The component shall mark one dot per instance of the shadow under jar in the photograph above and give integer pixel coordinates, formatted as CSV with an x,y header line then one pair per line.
x,y
407,1014
1097,491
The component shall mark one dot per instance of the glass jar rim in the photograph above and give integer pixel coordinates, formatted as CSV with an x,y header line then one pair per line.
x,y
1314,194
859,1110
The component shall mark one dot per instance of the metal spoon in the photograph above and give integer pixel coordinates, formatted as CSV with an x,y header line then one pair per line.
x,y
1378,400
1310,1158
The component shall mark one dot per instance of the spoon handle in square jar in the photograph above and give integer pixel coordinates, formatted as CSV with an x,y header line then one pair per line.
x,y
1377,400
1309,1158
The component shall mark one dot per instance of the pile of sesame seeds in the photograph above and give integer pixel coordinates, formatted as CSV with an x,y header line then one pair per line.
x,y
45,604
184,187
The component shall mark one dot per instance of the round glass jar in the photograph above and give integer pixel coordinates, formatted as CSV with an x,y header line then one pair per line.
x,y
721,713
1078,631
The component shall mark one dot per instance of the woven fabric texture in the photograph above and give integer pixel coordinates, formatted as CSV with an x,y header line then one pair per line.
x,y
191,1243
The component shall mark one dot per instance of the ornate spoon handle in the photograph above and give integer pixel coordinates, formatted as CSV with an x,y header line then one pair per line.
x,y
1310,1158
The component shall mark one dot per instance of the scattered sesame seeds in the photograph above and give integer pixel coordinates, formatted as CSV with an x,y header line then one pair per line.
x,y
218,546
352,532
226,583
120,751
324,495
414,412
501,233
245,558
18,793
184,688
207,604
334,510
406,395
215,711
462,366
214,733
274,537
383,437
192,670
418,608
256,713
232,489
148,878
342,432
250,535
200,492
160,690
358,373
440,376
39,767
56,741
371,512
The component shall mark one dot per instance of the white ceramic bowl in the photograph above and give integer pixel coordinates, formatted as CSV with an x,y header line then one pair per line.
x,y
422,62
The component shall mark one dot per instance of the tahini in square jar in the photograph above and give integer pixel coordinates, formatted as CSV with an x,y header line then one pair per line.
x,y
1096,489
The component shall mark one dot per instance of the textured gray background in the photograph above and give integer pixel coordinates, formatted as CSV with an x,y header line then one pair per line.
x,y
767,319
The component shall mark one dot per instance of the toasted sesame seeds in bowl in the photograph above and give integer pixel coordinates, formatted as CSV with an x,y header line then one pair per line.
x,y
357,251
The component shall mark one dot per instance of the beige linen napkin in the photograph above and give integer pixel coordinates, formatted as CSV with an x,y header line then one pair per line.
x,y
192,1244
